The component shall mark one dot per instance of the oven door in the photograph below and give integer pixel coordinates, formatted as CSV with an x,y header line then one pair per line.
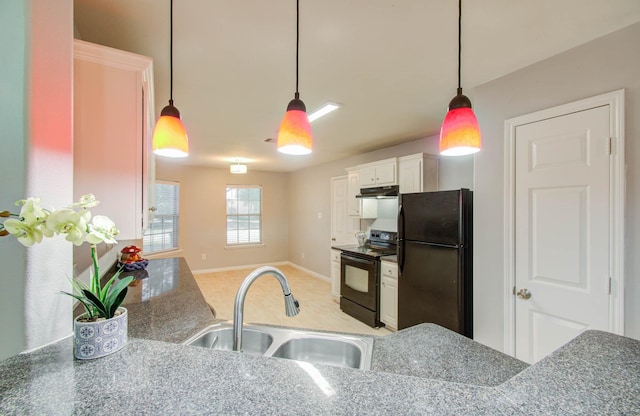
x,y
359,280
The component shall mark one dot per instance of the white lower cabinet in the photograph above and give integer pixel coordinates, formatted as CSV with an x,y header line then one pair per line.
x,y
389,294
335,274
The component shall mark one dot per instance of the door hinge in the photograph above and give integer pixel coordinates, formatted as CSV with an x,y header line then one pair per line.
x,y
610,285
514,291
610,145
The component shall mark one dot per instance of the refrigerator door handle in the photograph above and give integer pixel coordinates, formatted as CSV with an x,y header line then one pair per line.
x,y
400,240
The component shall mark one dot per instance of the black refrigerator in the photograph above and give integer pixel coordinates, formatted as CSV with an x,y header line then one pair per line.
x,y
435,260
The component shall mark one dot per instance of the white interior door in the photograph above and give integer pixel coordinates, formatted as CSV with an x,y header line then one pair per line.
x,y
562,230
341,232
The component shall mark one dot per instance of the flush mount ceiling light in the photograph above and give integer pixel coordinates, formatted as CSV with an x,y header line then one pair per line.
x,y
322,111
169,136
460,133
294,136
238,168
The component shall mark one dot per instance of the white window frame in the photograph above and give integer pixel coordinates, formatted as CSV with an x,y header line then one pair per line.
x,y
249,244
154,214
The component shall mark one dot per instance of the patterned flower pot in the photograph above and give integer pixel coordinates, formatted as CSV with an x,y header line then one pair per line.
x,y
100,338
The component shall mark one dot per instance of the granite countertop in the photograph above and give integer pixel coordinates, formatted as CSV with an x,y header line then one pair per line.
x,y
165,302
425,369
597,373
431,351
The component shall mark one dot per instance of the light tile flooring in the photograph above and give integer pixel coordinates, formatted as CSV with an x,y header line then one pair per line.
x,y
264,302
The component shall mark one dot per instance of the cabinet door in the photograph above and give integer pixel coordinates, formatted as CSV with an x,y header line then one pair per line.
x,y
389,301
410,177
112,117
335,273
367,176
386,174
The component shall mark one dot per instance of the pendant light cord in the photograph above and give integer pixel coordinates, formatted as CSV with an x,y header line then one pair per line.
x,y
297,42
171,53
459,42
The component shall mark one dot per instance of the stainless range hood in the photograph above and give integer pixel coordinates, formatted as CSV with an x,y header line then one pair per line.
x,y
379,192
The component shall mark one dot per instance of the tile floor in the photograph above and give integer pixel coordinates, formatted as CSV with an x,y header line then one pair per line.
x,y
264,302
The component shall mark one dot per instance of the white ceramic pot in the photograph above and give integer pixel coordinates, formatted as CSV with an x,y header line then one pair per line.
x,y
100,338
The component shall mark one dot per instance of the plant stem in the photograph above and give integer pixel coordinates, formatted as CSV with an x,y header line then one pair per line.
x,y
95,277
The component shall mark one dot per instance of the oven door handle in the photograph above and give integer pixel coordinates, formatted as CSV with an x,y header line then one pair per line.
x,y
357,259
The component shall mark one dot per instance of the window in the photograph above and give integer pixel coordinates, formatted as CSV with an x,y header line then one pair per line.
x,y
244,215
162,234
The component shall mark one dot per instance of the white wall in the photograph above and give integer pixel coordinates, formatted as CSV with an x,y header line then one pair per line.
x,y
39,128
606,64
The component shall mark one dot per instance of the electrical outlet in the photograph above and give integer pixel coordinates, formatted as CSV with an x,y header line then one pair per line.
x,y
302,255
204,256
319,215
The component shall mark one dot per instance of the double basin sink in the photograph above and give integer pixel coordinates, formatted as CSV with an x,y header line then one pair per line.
x,y
302,345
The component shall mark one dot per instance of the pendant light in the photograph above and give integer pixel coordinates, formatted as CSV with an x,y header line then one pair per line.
x,y
169,136
460,133
294,136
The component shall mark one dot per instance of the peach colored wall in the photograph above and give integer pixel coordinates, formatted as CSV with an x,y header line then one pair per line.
x,y
203,215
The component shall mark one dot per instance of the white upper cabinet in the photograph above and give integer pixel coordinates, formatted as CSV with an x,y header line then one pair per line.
x,y
418,173
113,122
380,173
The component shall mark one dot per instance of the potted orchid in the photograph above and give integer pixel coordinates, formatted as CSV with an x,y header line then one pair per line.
x,y
102,329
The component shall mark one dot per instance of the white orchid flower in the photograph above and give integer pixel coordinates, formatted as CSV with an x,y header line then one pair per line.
x,y
31,211
86,201
27,233
102,229
69,222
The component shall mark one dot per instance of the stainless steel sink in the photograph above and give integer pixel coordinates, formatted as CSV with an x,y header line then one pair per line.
x,y
294,344
221,338
321,350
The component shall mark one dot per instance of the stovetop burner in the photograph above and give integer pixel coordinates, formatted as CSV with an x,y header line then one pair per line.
x,y
380,243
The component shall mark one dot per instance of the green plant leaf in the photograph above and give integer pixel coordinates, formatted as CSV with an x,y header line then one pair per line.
x,y
83,301
115,292
105,290
117,301
97,303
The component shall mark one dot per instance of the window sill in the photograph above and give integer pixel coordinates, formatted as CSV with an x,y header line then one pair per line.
x,y
244,246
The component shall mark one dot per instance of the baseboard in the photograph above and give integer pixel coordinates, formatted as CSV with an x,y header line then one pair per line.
x,y
253,266
244,266
311,272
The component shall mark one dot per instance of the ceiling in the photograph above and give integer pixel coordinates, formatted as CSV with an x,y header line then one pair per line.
x,y
391,64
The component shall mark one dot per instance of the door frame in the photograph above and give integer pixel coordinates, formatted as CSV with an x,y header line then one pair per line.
x,y
615,101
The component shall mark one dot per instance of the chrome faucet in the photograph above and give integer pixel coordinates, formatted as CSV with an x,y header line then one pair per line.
x,y
292,307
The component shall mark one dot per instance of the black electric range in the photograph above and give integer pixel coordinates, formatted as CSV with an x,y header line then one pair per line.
x,y
360,276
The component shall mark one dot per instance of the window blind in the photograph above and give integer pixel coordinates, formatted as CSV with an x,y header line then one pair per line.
x,y
162,234
244,214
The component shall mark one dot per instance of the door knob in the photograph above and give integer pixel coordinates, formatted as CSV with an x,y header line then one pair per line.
x,y
524,294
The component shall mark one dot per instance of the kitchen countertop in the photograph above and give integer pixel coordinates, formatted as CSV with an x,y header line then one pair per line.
x,y
431,351
168,304
597,373
164,302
